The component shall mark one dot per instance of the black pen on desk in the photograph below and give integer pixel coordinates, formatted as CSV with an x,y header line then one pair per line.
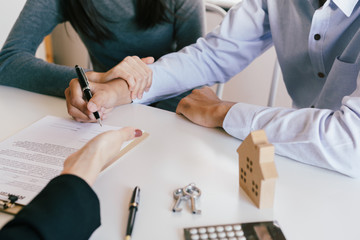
x,y
84,83
133,207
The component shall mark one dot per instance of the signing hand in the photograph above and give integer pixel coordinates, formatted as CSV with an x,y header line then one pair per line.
x,y
204,108
98,153
105,97
127,80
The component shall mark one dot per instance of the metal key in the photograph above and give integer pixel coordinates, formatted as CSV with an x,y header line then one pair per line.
x,y
179,196
193,192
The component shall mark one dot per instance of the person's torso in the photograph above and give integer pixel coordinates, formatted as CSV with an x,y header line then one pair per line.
x,y
317,49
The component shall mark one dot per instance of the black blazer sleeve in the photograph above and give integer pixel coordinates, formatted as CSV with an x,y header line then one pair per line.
x,y
67,208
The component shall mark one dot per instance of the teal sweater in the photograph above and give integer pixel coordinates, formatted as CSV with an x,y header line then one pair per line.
x,y
19,67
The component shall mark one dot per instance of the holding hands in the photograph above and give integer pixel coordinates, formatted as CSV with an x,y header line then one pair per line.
x,y
126,81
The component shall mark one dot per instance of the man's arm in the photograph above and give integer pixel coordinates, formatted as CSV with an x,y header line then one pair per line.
x,y
243,35
320,137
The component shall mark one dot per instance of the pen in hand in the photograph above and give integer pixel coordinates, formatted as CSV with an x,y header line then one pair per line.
x,y
84,83
134,204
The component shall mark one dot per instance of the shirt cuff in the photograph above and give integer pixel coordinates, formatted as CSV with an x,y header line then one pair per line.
x,y
238,121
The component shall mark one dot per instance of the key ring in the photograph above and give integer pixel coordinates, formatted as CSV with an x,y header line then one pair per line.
x,y
192,191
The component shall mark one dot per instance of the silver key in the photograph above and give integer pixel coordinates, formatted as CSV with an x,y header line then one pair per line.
x,y
193,192
179,196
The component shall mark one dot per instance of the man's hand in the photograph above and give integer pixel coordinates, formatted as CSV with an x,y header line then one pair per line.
x,y
204,108
135,72
98,153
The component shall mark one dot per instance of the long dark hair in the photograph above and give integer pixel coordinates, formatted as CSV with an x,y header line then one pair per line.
x,y
87,20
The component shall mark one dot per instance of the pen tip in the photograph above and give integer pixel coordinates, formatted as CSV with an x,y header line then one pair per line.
x,y
99,121
127,237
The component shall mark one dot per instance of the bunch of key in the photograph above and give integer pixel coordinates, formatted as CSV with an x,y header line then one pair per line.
x,y
189,192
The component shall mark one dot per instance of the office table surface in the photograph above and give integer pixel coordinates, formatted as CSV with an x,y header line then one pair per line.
x,y
310,203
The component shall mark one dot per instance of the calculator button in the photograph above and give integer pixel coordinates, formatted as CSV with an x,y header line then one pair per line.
x,y
228,228
220,229
222,234
239,233
237,227
211,229
202,230
233,238
193,231
230,234
242,238
204,236
195,237
212,235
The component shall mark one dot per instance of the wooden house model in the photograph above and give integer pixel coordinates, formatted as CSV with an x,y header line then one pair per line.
x,y
257,171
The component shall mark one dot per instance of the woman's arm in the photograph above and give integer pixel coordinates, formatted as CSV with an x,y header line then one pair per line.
x,y
18,65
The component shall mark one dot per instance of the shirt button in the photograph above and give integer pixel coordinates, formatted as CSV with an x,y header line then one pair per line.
x,y
317,37
321,75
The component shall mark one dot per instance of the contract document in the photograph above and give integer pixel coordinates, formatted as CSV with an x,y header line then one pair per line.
x,y
35,155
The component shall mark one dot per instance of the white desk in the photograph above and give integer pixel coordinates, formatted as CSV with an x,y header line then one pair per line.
x,y
310,203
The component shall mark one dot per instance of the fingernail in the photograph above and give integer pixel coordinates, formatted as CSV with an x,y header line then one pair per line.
x,y
92,107
138,132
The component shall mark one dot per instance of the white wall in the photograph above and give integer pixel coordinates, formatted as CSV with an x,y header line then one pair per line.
x,y
9,11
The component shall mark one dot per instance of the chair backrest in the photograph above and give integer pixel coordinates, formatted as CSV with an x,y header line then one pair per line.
x,y
212,8
274,83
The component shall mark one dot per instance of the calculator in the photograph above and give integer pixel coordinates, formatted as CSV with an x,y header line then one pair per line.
x,y
237,231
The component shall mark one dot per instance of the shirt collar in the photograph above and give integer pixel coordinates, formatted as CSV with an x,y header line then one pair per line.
x,y
346,6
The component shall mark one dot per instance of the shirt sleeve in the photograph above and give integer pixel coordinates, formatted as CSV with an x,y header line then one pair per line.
x,y
320,137
18,65
243,35
67,208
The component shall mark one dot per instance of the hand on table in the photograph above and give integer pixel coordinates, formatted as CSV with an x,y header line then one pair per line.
x,y
98,153
124,82
204,108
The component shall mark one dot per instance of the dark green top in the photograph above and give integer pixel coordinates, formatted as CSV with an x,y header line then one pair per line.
x,y
19,68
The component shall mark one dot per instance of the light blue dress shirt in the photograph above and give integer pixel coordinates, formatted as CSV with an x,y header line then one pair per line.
x,y
318,51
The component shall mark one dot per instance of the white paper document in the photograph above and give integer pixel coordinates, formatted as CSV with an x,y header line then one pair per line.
x,y
35,155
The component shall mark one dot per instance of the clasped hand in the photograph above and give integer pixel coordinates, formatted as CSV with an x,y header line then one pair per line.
x,y
120,85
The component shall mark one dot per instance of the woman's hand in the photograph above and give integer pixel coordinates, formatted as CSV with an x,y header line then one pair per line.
x,y
98,153
106,96
126,81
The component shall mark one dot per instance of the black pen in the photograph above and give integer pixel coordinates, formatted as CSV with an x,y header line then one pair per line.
x,y
134,204
84,83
